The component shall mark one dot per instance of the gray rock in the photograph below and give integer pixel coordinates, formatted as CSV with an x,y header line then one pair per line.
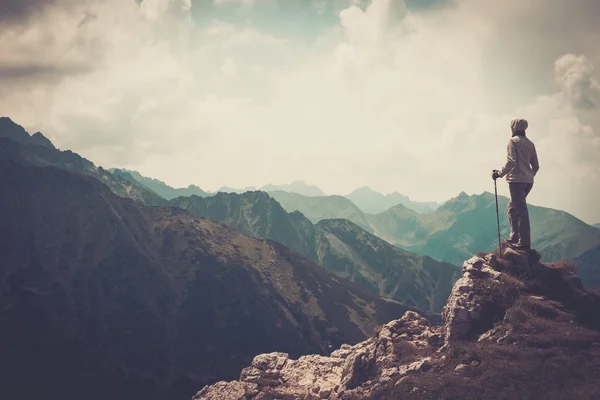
x,y
465,303
460,367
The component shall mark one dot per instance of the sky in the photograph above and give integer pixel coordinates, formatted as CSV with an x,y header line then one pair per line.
x,y
408,96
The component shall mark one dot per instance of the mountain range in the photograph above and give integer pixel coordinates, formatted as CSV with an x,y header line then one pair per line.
x,y
168,192
467,224
457,228
365,199
462,226
159,187
340,246
149,302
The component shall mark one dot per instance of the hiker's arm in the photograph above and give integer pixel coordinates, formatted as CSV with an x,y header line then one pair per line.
x,y
535,165
510,159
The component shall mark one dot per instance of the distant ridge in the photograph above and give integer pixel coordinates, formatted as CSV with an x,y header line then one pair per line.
x,y
299,187
373,202
159,187
323,207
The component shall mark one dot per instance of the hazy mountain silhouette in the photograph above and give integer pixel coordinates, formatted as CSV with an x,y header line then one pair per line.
x,y
299,187
105,298
372,202
227,189
159,187
324,207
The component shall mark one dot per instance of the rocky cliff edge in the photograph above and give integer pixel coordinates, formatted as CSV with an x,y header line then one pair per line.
x,y
514,327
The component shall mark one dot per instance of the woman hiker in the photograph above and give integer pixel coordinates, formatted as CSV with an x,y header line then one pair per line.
x,y
521,166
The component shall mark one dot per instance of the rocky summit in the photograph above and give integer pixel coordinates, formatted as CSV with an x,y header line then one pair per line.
x,y
513,328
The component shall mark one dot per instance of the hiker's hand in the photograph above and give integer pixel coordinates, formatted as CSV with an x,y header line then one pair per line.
x,y
495,174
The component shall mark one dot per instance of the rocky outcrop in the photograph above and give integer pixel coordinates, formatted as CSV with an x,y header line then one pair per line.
x,y
469,306
492,311
351,372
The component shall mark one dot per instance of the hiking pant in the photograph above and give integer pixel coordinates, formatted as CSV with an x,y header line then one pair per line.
x,y
518,215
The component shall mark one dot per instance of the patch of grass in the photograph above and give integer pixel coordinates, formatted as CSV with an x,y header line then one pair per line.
x,y
515,371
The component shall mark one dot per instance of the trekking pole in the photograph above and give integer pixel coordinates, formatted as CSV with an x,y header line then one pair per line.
x,y
497,217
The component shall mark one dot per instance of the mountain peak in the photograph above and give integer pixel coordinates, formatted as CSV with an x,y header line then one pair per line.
x,y
505,317
373,202
13,131
365,190
297,186
41,140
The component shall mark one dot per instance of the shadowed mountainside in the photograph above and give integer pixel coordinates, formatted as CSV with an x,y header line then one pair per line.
x,y
149,302
255,214
340,246
349,251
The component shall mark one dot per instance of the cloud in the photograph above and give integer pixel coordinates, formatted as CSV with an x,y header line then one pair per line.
x,y
15,11
242,2
386,96
574,75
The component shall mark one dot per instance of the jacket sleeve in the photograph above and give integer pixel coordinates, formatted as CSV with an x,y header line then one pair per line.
x,y
535,165
511,159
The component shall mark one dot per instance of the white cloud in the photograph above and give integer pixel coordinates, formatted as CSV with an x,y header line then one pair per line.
x,y
418,103
574,75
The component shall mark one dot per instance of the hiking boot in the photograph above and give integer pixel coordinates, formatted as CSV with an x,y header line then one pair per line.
x,y
519,247
512,240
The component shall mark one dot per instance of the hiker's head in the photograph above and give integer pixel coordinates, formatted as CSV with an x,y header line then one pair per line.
x,y
518,125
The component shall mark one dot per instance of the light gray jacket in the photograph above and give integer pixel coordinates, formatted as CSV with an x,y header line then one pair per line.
x,y
521,162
